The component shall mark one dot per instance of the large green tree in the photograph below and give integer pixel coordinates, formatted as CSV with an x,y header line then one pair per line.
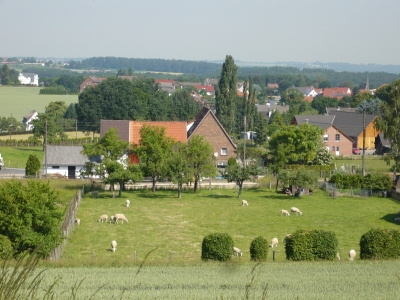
x,y
178,170
226,95
200,159
185,107
153,151
389,121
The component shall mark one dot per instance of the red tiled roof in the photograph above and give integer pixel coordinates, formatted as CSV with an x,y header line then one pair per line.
x,y
175,130
208,88
164,80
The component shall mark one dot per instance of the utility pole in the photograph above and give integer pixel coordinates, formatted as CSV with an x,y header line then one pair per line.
x,y
363,155
244,144
45,152
76,128
11,126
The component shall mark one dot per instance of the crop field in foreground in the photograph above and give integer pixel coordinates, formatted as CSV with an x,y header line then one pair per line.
x,y
176,227
19,101
295,280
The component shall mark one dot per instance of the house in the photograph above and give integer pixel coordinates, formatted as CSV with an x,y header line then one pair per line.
x,y
344,109
306,91
211,81
28,118
64,160
336,92
208,88
168,85
334,139
382,145
267,109
207,125
351,123
273,86
29,78
91,81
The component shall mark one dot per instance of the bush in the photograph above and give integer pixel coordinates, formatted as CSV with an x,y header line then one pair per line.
x,y
311,245
217,246
380,244
259,249
5,247
356,181
32,165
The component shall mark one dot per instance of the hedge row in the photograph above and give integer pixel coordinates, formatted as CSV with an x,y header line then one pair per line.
x,y
357,181
380,244
53,91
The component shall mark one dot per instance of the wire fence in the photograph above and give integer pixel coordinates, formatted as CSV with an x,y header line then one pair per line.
x,y
68,224
334,192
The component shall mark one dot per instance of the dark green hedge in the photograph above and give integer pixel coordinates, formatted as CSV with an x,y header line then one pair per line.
x,y
5,247
311,245
259,249
217,246
53,91
380,244
356,181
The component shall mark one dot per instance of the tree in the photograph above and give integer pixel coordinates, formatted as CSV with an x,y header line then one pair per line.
x,y
323,157
261,130
370,107
153,151
321,103
45,126
389,121
239,173
122,172
226,95
178,170
200,159
291,97
112,149
32,165
29,216
185,107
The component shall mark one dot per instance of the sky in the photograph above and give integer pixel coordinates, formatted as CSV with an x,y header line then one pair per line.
x,y
351,31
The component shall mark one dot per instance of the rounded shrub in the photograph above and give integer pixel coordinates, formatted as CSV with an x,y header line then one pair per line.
x,y
217,246
259,249
6,248
380,244
311,245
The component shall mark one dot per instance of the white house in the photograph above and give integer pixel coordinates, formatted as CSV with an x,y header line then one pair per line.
x,y
64,160
29,78
27,119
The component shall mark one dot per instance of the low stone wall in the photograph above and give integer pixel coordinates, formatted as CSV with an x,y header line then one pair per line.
x,y
394,194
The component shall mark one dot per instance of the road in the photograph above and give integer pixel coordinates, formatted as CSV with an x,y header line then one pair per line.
x,y
11,172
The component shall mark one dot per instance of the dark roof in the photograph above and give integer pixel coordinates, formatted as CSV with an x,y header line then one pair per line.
x,y
345,109
384,142
30,115
351,123
200,118
323,121
65,156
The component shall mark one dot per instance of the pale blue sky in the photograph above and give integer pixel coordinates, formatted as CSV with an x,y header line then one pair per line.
x,y
352,31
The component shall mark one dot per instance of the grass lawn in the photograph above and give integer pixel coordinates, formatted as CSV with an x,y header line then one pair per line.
x,y
19,101
177,226
16,157
372,163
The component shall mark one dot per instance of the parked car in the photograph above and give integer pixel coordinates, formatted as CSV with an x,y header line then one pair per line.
x,y
356,151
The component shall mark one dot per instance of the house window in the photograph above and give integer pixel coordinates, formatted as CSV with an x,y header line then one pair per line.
x,y
325,137
337,148
224,151
55,167
337,137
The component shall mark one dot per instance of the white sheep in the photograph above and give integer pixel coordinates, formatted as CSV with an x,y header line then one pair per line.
x,y
120,217
78,221
237,251
286,238
114,245
352,254
103,218
245,203
296,210
127,202
274,243
284,212
112,219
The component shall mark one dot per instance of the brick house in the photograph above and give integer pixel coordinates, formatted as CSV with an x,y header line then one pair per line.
x,y
206,124
90,81
335,140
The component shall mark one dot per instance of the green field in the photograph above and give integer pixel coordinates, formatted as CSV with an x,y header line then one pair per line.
x,y
19,101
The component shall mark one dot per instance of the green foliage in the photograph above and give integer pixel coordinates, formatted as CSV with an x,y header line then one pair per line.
x,y
239,173
323,157
380,244
32,165
59,90
5,247
232,161
217,246
311,245
356,181
259,249
178,170
29,216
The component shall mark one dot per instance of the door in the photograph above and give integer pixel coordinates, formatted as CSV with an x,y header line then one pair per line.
x,y
71,172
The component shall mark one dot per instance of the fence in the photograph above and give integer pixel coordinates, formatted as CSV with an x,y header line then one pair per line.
x,y
67,224
333,191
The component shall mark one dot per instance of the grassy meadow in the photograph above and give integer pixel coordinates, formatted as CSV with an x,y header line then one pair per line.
x,y
19,101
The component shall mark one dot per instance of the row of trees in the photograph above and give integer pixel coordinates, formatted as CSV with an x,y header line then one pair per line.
x,y
8,76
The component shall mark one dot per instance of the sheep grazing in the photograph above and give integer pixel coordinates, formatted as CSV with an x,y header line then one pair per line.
x,y
120,217
114,246
237,251
296,210
245,203
127,202
78,221
274,243
352,254
286,238
284,212
113,219
103,218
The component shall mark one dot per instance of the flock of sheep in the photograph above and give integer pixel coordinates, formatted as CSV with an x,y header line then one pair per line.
x,y
113,220
274,241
